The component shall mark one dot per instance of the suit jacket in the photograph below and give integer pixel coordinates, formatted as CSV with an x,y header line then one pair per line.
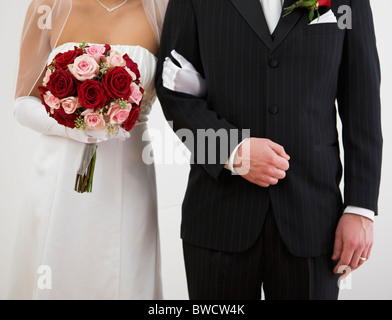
x,y
288,88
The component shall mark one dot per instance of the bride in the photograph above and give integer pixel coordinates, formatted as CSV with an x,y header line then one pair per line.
x,y
102,245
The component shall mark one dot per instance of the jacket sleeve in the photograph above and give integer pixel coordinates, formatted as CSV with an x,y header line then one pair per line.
x,y
189,112
359,108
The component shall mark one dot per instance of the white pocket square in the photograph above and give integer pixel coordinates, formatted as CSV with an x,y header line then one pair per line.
x,y
328,17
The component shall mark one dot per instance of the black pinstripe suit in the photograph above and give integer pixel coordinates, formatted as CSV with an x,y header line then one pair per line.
x,y
283,88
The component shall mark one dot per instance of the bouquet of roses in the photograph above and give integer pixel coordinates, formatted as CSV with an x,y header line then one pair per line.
x,y
95,89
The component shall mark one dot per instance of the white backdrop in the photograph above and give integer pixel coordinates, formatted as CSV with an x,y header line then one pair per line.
x,y
372,281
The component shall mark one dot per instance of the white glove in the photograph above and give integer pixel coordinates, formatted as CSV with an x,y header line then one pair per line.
x,y
185,79
30,113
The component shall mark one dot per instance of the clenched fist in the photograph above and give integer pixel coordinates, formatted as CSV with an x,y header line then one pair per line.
x,y
262,162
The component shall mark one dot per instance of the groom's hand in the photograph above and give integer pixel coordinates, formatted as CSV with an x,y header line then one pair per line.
x,y
262,162
353,243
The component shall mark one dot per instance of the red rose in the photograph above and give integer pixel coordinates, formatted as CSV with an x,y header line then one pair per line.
x,y
133,116
132,66
92,95
62,84
67,120
117,83
324,3
66,58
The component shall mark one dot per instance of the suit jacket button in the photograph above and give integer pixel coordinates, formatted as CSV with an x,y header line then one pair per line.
x,y
273,63
273,109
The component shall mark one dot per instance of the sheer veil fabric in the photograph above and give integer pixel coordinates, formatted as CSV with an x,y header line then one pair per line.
x,y
44,24
155,10
45,20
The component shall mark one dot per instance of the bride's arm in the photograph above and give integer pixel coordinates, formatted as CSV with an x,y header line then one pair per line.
x,y
34,52
30,112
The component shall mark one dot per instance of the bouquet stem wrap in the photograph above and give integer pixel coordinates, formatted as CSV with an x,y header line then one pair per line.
x,y
85,175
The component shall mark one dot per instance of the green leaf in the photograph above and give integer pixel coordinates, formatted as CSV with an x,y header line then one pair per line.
x,y
311,15
309,3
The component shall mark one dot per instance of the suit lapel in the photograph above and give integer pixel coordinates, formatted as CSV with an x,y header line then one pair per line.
x,y
252,12
285,24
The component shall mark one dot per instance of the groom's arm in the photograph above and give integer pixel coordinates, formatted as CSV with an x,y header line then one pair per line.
x,y
186,111
359,108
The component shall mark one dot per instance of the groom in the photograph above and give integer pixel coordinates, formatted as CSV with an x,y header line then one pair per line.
x,y
281,223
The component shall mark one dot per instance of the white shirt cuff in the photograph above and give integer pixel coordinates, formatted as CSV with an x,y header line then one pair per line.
x,y
361,212
230,163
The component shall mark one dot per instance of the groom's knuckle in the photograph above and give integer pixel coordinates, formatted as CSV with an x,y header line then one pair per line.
x,y
352,243
270,159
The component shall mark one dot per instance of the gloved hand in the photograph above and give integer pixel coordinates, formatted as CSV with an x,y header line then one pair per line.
x,y
185,79
30,112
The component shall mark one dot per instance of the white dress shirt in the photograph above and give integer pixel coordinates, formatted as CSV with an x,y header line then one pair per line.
x,y
272,11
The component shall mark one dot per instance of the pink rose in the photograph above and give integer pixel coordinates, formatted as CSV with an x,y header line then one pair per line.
x,y
118,115
115,60
93,121
70,105
51,101
136,94
96,51
47,77
85,67
131,73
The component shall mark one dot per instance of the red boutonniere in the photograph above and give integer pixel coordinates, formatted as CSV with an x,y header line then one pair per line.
x,y
312,5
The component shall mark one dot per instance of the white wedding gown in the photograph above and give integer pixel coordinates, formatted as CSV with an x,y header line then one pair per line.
x,y
103,245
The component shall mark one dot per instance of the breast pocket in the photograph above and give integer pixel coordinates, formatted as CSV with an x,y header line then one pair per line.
x,y
321,30
323,42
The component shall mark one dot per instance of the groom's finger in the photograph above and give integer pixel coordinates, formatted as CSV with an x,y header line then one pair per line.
x,y
265,180
279,150
354,264
338,248
345,259
281,163
279,174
